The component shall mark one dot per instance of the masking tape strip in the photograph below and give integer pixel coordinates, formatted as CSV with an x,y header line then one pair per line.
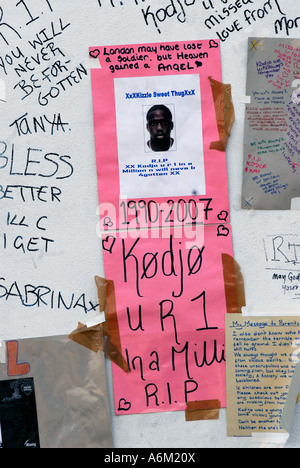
x,y
234,285
91,338
202,410
103,336
224,110
2,352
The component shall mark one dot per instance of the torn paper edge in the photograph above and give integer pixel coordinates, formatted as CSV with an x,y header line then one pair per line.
x,y
2,352
104,336
233,284
203,410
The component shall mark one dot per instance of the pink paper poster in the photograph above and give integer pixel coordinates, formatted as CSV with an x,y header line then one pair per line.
x,y
154,119
171,308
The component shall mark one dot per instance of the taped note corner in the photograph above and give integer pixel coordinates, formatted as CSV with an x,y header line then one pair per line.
x,y
203,410
101,331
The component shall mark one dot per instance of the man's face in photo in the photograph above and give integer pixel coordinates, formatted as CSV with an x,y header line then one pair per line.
x,y
160,126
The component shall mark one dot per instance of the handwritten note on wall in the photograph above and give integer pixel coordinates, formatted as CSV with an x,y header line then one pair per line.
x,y
156,168
39,162
260,366
38,71
171,310
217,16
271,153
282,264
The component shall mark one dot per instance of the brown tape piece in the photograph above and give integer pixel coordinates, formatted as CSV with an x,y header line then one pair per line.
x,y
234,285
91,338
105,336
225,114
202,410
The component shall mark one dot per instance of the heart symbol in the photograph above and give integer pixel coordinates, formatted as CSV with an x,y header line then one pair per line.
x,y
124,405
223,231
223,215
95,53
108,243
213,44
199,64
